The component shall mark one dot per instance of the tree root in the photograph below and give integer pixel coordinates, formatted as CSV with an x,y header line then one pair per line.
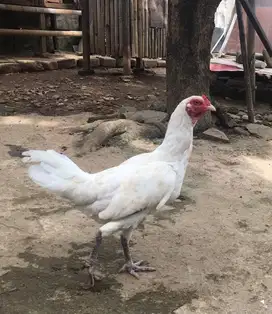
x,y
99,133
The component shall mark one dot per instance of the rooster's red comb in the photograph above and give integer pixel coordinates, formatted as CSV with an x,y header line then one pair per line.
x,y
206,100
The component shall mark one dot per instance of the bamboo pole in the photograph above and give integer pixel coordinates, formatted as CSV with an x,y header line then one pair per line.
x,y
251,51
36,32
21,8
126,41
250,108
116,44
140,28
102,29
120,26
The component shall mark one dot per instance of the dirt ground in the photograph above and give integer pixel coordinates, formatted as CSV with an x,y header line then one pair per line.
x,y
215,246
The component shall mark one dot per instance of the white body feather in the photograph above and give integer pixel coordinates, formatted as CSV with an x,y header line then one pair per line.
x,y
124,194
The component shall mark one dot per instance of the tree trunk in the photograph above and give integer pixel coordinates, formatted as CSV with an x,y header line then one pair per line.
x,y
190,29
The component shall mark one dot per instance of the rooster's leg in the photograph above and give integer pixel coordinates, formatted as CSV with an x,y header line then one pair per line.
x,y
91,263
131,267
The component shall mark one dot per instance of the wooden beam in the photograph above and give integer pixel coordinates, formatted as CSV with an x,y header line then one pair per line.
x,y
126,38
256,24
249,102
86,39
22,8
251,50
38,32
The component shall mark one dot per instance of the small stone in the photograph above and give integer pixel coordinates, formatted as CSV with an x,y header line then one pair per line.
x,y
269,118
151,97
241,113
216,135
240,131
49,65
125,109
233,110
147,116
9,67
233,116
149,63
245,117
260,130
161,63
30,66
260,64
107,62
67,63
260,117
56,96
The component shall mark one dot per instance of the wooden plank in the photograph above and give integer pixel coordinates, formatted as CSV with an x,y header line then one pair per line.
x,y
132,29
95,25
112,27
116,29
86,36
107,27
43,47
140,28
126,44
146,28
121,23
135,8
92,35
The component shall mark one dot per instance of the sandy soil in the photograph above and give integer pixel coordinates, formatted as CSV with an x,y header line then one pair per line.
x,y
215,246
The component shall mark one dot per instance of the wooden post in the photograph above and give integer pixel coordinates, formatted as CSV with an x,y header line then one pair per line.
x,y
259,30
250,108
126,38
43,47
251,50
86,39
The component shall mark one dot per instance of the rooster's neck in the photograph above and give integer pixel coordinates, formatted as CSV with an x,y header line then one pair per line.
x,y
178,137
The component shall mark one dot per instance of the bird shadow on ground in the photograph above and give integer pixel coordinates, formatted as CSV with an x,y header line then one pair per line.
x,y
52,285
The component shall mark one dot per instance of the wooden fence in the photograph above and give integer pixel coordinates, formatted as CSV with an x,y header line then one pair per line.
x,y
147,28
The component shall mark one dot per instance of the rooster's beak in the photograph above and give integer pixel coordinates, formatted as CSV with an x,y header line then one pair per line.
x,y
211,108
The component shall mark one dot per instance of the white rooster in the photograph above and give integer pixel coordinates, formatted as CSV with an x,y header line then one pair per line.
x,y
122,196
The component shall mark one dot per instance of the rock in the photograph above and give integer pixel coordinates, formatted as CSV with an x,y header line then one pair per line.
x,y
268,117
147,116
149,63
161,63
119,62
94,61
260,130
260,64
233,110
49,65
196,306
30,66
67,63
234,116
216,135
158,107
124,109
260,117
245,117
267,59
107,62
241,113
9,67
241,131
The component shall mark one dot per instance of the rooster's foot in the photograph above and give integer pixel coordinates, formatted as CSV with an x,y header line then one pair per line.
x,y
94,273
134,268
